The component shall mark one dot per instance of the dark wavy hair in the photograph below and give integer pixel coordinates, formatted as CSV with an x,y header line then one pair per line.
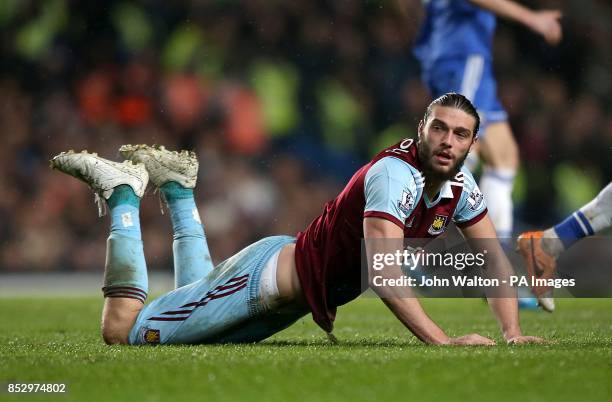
x,y
458,101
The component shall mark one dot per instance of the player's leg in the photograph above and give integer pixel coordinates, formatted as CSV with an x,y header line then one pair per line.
x,y
540,249
586,221
175,174
192,260
498,149
235,302
125,272
500,155
473,78
238,301
120,185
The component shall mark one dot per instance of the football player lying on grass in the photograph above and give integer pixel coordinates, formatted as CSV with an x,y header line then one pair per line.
x,y
410,190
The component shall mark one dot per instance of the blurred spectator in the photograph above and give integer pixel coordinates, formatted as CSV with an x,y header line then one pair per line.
x,y
281,100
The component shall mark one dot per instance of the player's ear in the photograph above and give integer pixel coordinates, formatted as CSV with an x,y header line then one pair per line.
x,y
474,141
420,128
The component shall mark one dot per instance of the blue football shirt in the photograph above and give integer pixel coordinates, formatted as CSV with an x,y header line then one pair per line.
x,y
454,29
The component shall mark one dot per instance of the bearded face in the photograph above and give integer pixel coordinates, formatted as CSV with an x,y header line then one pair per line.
x,y
445,140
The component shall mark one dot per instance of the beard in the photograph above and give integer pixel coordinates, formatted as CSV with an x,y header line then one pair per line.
x,y
425,154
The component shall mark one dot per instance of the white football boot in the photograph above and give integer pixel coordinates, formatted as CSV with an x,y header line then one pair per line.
x,y
163,165
102,175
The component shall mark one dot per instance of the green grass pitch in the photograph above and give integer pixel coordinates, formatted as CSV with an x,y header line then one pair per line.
x,y
57,340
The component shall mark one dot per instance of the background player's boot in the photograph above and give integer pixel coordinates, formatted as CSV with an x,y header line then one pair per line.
x,y
526,300
102,175
163,165
540,265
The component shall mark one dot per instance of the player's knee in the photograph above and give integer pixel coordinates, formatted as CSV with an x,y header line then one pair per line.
x,y
499,148
115,331
511,157
118,318
504,158
113,336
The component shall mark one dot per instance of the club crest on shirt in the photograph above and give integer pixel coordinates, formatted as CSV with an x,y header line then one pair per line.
x,y
438,225
406,204
151,336
475,199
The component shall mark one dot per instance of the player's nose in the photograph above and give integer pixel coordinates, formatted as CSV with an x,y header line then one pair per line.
x,y
447,139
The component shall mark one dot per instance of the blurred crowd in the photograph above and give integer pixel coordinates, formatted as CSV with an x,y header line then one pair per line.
x,y
282,101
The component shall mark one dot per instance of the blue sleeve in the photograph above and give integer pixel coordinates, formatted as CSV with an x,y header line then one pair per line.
x,y
465,6
391,190
453,6
472,206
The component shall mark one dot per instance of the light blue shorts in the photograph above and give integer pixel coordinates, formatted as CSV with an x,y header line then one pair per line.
x,y
223,307
472,77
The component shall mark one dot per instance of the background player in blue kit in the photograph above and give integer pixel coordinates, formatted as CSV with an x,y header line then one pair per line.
x,y
541,248
454,49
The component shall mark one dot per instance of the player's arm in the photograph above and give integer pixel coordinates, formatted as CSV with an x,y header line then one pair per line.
x,y
481,235
384,236
390,190
543,22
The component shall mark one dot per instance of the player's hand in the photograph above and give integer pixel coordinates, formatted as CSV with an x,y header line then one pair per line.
x,y
523,340
472,340
546,23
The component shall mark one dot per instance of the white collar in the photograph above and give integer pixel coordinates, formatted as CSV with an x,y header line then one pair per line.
x,y
446,191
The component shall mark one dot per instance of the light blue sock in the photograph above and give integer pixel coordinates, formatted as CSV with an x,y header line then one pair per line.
x,y
191,256
125,273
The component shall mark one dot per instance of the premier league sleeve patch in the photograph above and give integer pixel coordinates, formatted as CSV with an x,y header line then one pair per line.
x,y
406,204
475,199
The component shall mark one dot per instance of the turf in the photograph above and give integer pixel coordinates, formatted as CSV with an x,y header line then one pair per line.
x,y
57,340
